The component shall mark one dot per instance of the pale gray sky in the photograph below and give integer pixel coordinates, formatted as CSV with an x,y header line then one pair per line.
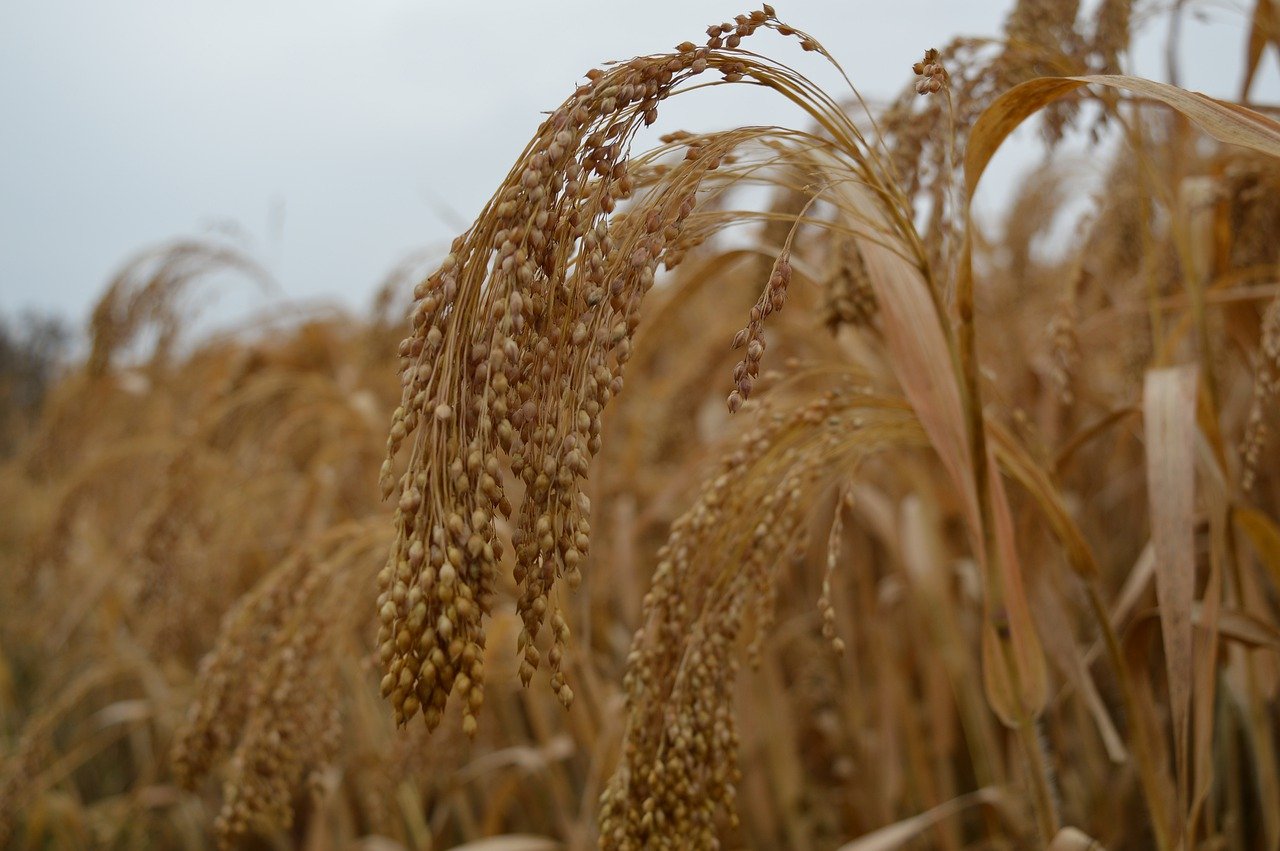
x,y
335,134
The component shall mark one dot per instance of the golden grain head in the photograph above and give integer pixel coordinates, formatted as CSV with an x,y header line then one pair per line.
x,y
992,563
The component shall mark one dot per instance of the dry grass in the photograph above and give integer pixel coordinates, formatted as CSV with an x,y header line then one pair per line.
x,y
994,533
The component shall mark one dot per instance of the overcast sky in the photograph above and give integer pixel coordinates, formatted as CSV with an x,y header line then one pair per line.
x,y
340,137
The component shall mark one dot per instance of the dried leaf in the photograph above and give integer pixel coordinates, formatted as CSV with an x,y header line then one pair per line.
x,y
1071,839
1207,615
1243,628
900,833
511,842
923,364
1063,650
1019,642
1135,584
1169,410
1148,737
921,360
1226,122
1018,464
1264,27
1265,537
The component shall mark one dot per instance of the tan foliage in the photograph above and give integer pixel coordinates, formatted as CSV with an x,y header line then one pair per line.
x,y
994,530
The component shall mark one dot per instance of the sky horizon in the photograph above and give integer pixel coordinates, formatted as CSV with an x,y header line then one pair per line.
x,y
337,141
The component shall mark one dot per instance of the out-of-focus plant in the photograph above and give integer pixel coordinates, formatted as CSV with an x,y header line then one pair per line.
x,y
994,530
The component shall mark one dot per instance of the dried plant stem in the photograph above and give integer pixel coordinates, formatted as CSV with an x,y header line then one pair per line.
x,y
1046,813
1041,797
1255,710
1155,803
974,472
1133,130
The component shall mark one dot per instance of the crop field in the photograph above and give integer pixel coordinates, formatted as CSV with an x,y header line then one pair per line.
x,y
745,491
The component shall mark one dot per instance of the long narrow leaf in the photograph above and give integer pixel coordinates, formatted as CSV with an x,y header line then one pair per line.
x,y
1169,408
899,834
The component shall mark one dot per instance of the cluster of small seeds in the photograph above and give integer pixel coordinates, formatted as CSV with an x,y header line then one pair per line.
x,y
1042,37
1065,349
730,35
933,77
223,707
1111,34
172,528
519,341
1266,389
1250,185
30,753
773,298
269,699
290,732
815,690
721,562
826,608
771,544
679,762
848,297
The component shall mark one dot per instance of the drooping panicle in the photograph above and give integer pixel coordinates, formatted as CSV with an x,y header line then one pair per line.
x,y
519,341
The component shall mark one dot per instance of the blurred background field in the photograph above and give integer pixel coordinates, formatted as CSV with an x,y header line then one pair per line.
x,y
192,533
